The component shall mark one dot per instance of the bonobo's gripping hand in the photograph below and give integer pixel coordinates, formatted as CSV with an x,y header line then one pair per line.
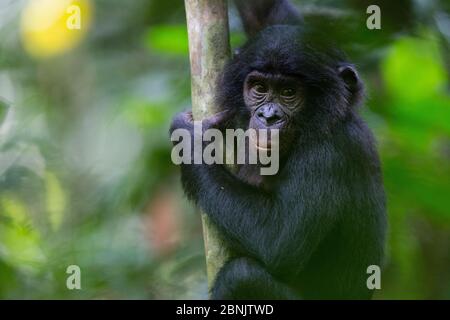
x,y
190,171
185,120
182,120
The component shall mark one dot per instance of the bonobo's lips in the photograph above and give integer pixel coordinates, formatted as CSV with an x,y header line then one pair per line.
x,y
258,124
263,142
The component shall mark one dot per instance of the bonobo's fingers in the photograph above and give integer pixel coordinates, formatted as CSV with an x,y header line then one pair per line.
x,y
189,116
217,120
182,120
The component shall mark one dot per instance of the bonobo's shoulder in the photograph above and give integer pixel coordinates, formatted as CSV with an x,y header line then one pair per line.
x,y
358,143
357,132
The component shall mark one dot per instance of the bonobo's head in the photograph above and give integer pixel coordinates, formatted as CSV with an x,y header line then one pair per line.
x,y
283,79
289,78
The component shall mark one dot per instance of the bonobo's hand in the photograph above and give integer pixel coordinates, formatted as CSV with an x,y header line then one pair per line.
x,y
182,120
217,120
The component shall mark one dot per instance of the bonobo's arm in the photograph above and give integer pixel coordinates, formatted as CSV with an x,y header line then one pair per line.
x,y
285,225
281,226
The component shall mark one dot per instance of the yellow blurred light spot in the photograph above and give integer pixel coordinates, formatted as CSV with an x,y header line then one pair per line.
x,y
47,26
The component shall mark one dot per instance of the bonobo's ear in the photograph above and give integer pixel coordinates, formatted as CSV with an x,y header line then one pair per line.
x,y
349,74
353,83
258,14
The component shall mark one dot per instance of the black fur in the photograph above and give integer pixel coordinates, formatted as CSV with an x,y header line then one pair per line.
x,y
321,222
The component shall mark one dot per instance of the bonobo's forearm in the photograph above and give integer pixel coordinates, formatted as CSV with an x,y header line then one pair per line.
x,y
244,213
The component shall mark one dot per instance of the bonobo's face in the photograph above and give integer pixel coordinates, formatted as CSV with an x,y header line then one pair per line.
x,y
272,100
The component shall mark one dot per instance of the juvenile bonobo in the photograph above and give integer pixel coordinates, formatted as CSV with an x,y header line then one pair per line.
x,y
311,230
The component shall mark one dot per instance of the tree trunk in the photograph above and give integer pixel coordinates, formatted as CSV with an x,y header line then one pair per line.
x,y
209,49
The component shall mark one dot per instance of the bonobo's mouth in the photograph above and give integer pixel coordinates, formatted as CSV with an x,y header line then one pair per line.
x,y
258,124
263,140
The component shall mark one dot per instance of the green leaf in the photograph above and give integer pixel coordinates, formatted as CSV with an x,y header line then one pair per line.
x,y
13,209
56,200
19,242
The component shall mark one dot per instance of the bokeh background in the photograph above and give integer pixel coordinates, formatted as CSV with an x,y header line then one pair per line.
x,y
85,170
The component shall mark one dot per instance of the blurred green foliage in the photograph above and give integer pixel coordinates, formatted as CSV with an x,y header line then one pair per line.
x,y
168,39
85,170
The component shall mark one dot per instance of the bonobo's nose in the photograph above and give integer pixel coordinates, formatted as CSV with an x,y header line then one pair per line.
x,y
269,114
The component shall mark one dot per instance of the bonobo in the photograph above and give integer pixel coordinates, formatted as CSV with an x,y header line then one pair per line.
x,y
311,230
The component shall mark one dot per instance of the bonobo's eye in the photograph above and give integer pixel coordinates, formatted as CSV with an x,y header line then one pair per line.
x,y
288,93
260,88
